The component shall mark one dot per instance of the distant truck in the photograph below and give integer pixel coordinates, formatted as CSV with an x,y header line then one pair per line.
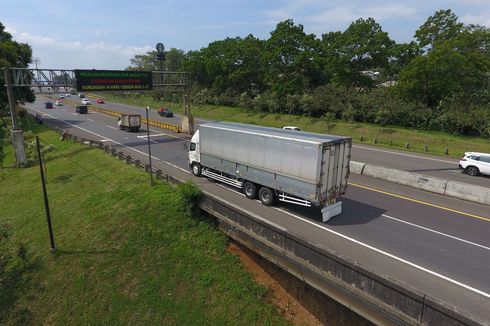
x,y
296,167
81,109
129,122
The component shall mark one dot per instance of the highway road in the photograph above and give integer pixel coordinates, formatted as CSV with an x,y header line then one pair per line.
x,y
435,244
435,166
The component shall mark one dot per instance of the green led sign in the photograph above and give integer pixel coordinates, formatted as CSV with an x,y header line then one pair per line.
x,y
113,80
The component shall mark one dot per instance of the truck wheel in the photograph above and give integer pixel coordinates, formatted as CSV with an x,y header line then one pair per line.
x,y
472,170
250,190
196,169
266,196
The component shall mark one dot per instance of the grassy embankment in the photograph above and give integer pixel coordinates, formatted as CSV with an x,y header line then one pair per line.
x,y
127,253
388,137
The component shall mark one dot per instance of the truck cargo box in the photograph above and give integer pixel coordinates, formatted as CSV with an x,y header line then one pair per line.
x,y
130,122
308,165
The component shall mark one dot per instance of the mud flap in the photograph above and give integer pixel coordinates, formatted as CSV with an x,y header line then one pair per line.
x,y
331,210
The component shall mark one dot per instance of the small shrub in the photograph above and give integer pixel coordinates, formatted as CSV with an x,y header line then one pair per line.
x,y
190,195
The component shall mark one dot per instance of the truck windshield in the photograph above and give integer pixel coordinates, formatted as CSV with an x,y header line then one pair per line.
x,y
193,147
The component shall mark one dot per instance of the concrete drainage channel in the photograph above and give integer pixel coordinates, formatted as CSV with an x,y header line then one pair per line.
x,y
375,297
455,189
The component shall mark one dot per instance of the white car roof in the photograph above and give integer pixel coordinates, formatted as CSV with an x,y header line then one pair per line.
x,y
476,153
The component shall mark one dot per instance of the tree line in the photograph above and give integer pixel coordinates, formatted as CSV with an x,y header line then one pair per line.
x,y
439,81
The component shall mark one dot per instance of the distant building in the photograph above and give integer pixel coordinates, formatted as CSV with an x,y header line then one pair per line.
x,y
374,75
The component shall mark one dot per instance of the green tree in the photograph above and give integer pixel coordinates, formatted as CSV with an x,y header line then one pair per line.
x,y
231,64
400,56
441,26
147,61
13,55
457,67
290,58
173,61
363,46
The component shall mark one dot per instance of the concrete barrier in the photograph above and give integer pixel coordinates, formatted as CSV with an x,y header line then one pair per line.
x,y
460,190
356,167
415,180
469,192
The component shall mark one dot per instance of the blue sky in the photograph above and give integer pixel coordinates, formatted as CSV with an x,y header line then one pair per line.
x,y
106,34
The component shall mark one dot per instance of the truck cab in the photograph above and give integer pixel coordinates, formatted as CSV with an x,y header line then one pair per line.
x,y
194,155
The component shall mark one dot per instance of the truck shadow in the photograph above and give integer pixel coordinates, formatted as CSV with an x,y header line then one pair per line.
x,y
353,213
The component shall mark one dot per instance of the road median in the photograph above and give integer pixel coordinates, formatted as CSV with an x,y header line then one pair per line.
x,y
440,186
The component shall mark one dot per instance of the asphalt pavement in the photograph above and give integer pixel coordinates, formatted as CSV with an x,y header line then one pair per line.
x,y
435,244
435,166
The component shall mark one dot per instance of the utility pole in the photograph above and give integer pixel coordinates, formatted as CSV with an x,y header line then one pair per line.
x,y
149,146
17,136
45,193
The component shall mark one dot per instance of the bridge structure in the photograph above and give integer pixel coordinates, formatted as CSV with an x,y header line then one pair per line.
x,y
52,80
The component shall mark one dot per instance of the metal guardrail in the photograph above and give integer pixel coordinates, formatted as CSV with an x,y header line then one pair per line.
x,y
151,122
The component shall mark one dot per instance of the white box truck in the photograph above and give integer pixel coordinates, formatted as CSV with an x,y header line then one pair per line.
x,y
129,122
292,166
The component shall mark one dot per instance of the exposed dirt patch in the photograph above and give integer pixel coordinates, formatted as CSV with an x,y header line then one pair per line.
x,y
297,301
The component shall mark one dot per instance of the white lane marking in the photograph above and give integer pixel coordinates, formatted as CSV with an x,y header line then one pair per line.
x,y
436,232
111,127
63,110
170,135
144,137
74,113
153,135
403,154
103,140
90,119
96,134
389,255
126,138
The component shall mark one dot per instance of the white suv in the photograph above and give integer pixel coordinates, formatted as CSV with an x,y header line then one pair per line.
x,y
474,163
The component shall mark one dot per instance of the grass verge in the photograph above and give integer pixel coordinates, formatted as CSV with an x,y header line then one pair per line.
x,y
127,253
422,141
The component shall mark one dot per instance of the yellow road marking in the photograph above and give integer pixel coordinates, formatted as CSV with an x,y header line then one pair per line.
x,y
420,202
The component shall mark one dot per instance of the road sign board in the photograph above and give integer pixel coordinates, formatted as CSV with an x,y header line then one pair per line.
x,y
113,80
